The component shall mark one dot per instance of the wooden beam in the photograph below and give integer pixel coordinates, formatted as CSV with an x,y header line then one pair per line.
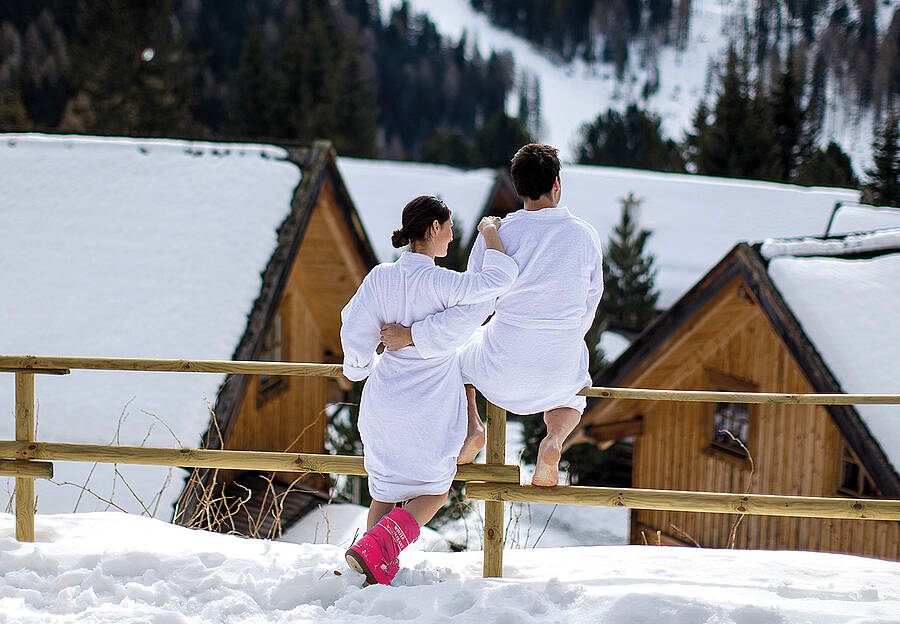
x,y
29,362
704,396
227,460
24,468
493,510
707,502
36,371
24,434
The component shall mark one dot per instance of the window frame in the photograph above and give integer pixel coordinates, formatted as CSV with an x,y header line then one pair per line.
x,y
723,382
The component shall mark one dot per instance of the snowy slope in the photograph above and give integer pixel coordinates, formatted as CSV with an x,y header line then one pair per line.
x,y
381,188
118,568
137,248
575,93
849,311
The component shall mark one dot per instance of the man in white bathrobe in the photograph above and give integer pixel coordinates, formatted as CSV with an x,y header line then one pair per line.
x,y
531,356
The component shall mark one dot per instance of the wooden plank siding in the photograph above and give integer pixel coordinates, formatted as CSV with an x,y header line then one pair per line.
x,y
290,415
796,449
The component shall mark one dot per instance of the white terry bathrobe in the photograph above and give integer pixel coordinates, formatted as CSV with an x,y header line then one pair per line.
x,y
531,356
412,415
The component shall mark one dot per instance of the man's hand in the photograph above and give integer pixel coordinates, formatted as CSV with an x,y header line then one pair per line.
x,y
488,222
395,336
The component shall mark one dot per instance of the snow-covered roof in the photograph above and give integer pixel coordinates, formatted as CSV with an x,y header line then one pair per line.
x,y
695,220
138,248
381,188
613,344
849,310
852,218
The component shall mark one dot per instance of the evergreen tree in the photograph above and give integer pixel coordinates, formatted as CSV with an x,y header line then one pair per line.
x,y
449,147
252,109
739,142
630,140
790,119
499,139
630,297
883,187
133,68
357,115
827,168
319,87
13,117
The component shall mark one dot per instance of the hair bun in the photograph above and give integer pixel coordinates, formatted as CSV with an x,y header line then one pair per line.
x,y
399,238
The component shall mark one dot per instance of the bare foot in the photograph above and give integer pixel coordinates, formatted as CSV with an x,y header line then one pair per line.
x,y
546,469
470,448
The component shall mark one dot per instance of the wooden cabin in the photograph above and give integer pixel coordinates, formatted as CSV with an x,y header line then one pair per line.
x,y
754,323
322,256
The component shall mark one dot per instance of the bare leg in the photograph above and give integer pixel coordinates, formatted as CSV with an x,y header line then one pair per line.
x,y
376,510
560,423
423,508
474,441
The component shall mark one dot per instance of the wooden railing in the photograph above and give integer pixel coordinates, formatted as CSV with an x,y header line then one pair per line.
x,y
494,482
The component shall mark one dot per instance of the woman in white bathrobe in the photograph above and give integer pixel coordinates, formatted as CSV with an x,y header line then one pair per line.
x,y
412,416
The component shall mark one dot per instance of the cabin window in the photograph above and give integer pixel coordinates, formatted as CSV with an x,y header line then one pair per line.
x,y
734,419
730,421
855,481
272,351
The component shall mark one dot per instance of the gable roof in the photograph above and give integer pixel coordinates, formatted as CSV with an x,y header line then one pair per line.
x,y
131,248
793,293
318,164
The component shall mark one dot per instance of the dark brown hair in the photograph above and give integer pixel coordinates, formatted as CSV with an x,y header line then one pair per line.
x,y
534,169
418,215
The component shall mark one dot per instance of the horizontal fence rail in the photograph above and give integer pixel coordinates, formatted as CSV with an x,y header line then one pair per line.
x,y
227,460
37,364
494,482
675,500
55,365
20,468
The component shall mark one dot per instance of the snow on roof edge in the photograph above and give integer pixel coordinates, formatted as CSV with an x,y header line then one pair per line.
x,y
878,240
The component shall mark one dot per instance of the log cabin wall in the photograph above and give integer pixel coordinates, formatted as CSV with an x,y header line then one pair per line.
x,y
289,413
730,345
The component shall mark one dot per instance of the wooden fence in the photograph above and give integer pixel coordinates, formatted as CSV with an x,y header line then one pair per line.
x,y
494,482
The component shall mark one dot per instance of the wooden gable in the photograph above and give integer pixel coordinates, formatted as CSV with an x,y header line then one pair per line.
x,y
322,256
721,336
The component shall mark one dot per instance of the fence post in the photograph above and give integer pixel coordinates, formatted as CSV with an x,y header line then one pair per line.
x,y
493,510
25,433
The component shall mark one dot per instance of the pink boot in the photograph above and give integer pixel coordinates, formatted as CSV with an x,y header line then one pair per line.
x,y
375,554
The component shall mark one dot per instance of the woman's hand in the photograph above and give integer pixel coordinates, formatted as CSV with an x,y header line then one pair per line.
x,y
489,222
395,336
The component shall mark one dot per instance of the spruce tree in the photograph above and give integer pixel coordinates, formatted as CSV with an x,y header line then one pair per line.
x,y
133,68
320,89
883,188
252,109
830,167
739,142
630,297
13,117
631,140
790,119
499,139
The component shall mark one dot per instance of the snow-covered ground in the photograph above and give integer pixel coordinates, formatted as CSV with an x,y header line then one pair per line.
x,y
577,92
112,567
